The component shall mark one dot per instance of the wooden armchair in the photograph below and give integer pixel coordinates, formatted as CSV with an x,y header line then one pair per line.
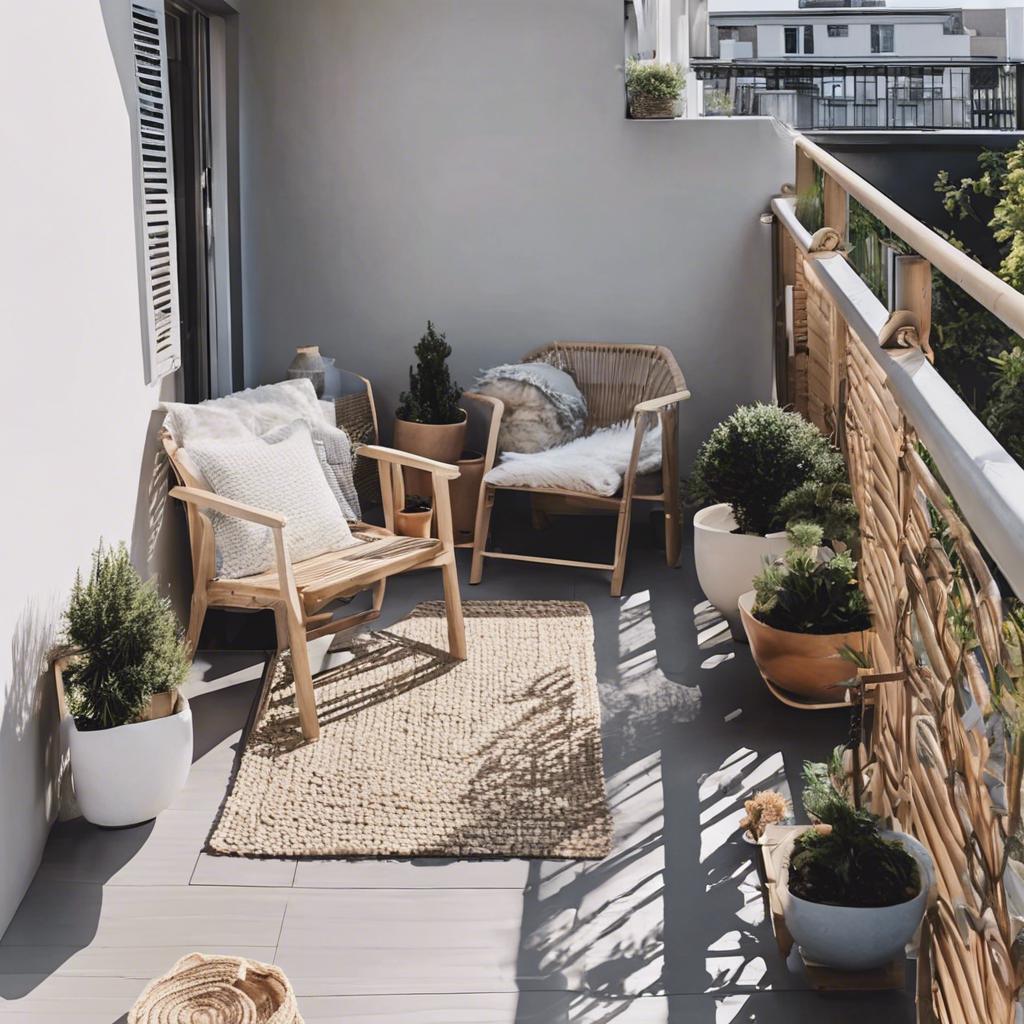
x,y
299,592
641,383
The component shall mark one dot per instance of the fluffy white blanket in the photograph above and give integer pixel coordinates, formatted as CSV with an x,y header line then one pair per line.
x,y
595,463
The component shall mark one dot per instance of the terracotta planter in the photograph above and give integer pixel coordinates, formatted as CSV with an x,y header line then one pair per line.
x,y
439,441
807,664
413,524
466,496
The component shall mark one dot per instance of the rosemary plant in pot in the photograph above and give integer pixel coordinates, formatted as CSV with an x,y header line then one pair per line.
x,y
806,608
653,89
852,894
429,420
744,471
128,729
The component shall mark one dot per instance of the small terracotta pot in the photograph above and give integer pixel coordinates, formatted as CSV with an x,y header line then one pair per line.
x,y
807,664
439,441
413,524
466,496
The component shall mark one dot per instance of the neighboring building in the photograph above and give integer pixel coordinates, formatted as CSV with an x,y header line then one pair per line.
x,y
858,64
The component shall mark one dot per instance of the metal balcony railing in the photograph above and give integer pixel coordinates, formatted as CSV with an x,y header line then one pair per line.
x,y
873,96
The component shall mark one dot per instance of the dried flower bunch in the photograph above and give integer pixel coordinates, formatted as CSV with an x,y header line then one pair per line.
x,y
764,808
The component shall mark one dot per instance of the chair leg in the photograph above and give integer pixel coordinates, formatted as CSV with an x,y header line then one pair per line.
x,y
196,617
453,610
670,486
302,675
621,544
378,595
483,525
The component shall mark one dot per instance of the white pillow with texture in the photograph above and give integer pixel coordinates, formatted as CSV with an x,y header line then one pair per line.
x,y
285,478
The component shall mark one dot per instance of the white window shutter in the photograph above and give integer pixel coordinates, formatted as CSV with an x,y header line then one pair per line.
x,y
155,183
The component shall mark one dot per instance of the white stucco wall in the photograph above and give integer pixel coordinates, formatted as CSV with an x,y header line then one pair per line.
x,y
76,417
470,162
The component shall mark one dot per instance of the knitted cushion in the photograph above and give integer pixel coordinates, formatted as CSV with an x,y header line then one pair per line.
x,y
285,478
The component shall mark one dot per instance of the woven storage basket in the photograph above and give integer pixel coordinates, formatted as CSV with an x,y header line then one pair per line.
x,y
202,989
643,107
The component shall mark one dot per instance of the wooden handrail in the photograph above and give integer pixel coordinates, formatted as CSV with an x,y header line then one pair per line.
x,y
995,294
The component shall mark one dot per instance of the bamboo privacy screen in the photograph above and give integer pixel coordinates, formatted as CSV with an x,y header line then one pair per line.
x,y
940,758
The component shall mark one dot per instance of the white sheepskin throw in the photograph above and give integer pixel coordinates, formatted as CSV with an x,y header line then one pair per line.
x,y
594,463
543,405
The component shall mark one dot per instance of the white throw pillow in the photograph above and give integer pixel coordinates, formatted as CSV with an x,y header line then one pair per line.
x,y
285,478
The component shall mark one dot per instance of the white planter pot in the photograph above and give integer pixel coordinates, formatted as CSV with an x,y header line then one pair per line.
x,y
130,773
727,562
855,938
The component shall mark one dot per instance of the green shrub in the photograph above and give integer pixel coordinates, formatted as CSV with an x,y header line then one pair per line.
x,y
811,589
846,862
830,505
753,459
1004,414
129,643
432,396
659,81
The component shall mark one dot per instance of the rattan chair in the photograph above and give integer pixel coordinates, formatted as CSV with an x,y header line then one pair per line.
x,y
299,593
641,383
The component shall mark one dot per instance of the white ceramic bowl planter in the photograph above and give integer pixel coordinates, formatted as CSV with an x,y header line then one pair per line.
x,y
727,562
128,774
855,938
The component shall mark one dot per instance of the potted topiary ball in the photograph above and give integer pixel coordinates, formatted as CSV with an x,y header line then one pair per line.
x,y
413,520
743,471
653,89
128,729
805,609
429,420
852,894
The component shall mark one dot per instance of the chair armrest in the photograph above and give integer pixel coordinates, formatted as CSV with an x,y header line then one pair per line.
x,y
208,500
397,458
654,404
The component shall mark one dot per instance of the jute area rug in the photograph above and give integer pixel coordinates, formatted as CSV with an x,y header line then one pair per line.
x,y
419,755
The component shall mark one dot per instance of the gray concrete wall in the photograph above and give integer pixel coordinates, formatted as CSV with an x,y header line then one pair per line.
x,y
77,419
470,163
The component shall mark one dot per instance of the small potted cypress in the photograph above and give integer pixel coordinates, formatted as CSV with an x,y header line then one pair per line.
x,y
429,420
128,729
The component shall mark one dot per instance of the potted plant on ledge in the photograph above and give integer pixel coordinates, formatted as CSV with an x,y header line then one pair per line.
x,y
852,894
429,421
804,611
128,729
653,89
747,467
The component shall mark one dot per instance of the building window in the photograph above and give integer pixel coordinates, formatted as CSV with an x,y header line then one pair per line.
x,y
953,25
882,40
795,34
838,31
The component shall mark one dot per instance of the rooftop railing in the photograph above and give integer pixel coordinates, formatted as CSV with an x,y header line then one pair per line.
x,y
942,519
867,95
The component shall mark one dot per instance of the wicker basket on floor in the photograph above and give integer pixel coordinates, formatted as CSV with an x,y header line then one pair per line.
x,y
217,990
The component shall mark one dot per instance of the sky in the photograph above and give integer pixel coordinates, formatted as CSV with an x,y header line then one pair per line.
x,y
792,5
